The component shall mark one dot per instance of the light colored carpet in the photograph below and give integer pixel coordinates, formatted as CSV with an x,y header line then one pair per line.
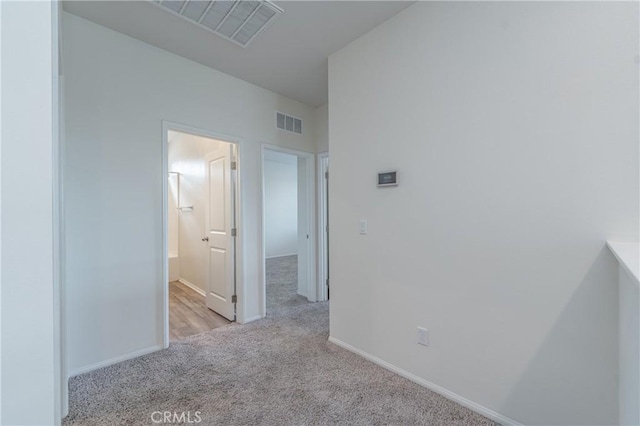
x,y
282,283
276,371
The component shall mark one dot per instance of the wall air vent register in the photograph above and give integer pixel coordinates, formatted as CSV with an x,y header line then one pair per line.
x,y
237,21
288,123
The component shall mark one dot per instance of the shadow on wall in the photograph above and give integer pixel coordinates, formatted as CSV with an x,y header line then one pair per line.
x,y
589,322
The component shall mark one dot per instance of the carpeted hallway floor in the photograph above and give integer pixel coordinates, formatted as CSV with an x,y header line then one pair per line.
x,y
277,371
282,283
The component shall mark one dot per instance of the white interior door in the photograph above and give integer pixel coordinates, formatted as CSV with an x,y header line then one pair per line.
x,y
323,218
303,231
220,223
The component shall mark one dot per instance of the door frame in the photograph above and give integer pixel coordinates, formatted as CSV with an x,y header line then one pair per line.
x,y
239,243
323,221
312,287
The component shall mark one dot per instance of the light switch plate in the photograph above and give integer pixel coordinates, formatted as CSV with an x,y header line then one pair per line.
x,y
364,227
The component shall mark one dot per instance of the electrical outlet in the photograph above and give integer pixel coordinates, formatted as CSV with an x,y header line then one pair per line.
x,y
423,336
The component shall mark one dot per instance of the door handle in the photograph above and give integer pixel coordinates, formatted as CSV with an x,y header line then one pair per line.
x,y
205,239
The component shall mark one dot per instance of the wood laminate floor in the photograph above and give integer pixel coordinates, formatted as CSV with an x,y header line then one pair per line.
x,y
188,313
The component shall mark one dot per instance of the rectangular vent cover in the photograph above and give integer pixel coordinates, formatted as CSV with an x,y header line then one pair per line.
x,y
238,21
288,123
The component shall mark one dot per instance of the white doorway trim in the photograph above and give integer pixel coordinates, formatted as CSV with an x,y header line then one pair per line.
x,y
240,306
312,288
322,167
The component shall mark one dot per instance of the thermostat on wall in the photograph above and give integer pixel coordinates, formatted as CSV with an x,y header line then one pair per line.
x,y
388,178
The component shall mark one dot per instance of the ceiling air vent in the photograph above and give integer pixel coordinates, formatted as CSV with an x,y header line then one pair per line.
x,y
288,123
237,21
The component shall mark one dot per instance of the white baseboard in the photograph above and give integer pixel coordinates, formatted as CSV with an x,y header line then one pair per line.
x,y
497,417
192,287
281,255
114,360
250,319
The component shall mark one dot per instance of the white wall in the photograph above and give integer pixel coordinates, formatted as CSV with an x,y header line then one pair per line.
x,y
118,91
629,372
173,215
30,386
281,204
322,128
514,130
186,156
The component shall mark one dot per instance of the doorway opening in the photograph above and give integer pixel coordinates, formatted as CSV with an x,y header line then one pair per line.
x,y
288,229
200,233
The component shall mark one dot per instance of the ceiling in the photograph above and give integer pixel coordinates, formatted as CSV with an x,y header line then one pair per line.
x,y
289,58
